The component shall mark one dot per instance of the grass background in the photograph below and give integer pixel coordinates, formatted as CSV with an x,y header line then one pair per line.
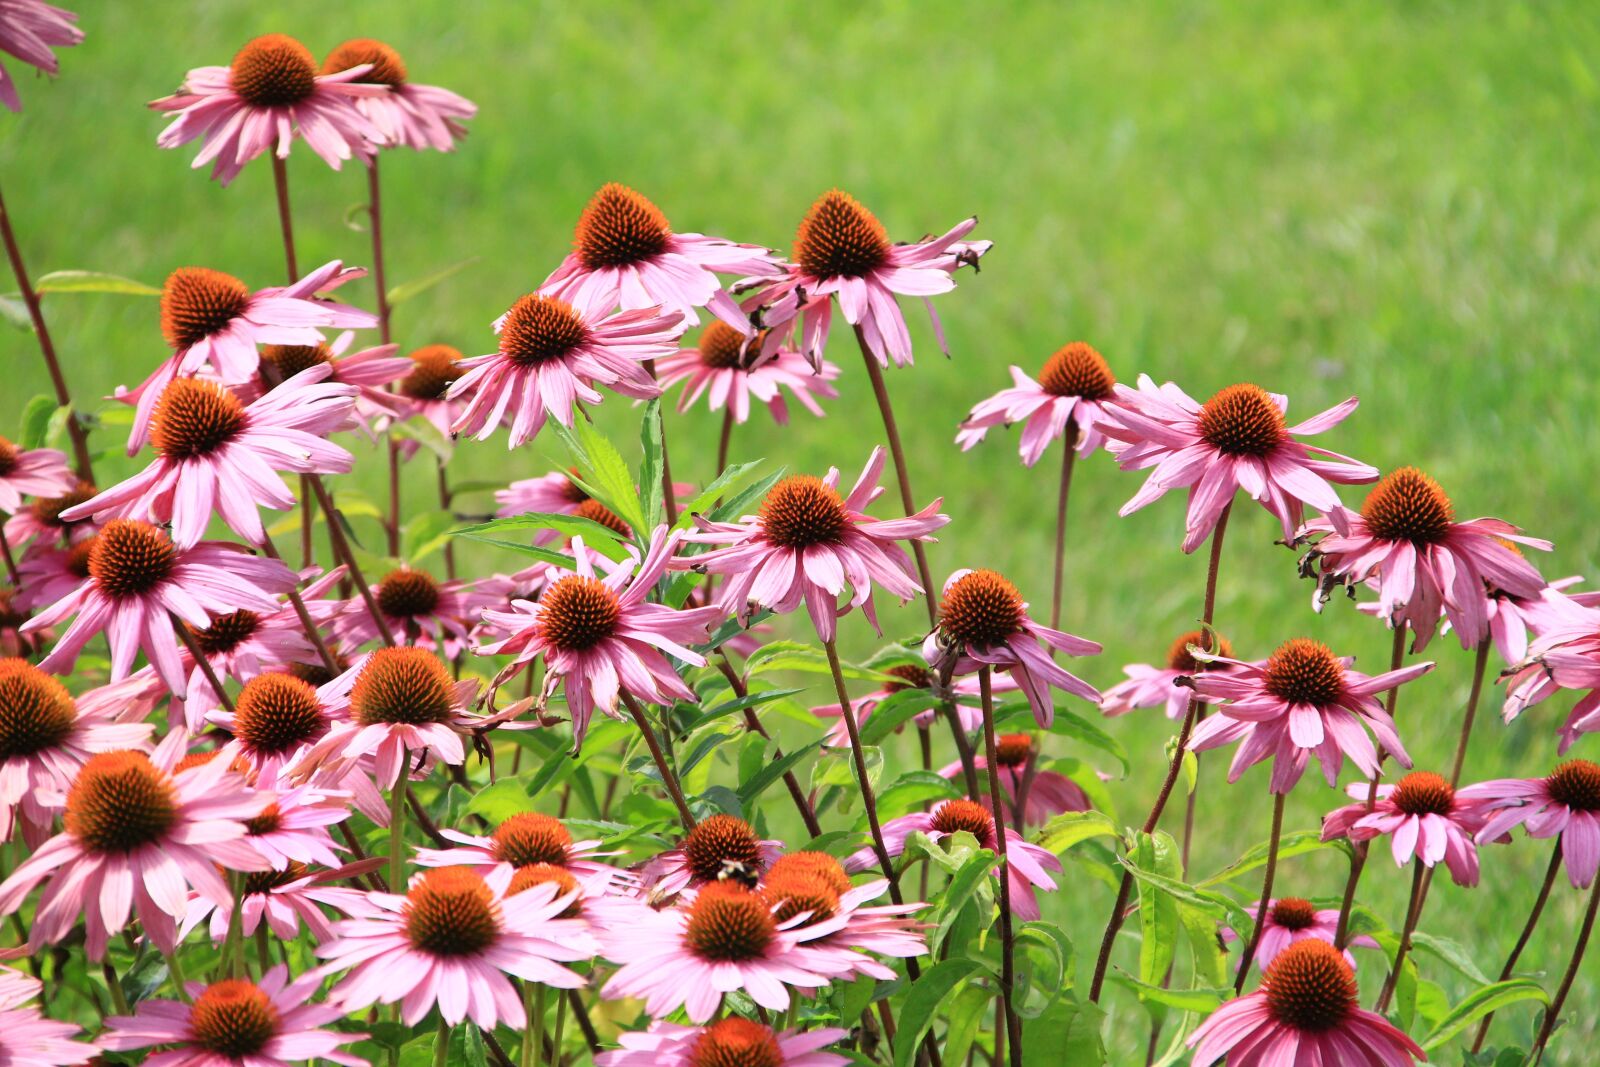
x,y
1391,201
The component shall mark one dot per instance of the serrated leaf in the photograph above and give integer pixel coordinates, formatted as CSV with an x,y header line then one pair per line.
x,y
1450,952
1195,1000
652,450
602,539
730,480
1070,827
498,802
796,656
92,281
1481,1002
922,1004
893,711
425,534
963,885
606,475
1158,912
399,294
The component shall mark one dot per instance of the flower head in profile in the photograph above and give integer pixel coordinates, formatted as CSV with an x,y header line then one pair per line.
x,y
526,839
806,543
140,582
424,391
1304,1012
37,472
455,939
984,622
285,900
1149,686
1292,919
270,94
552,354
1565,803
1238,439
842,250
419,609
40,521
731,369
1565,657
719,848
1301,702
1044,793
734,1041
1073,389
29,29
1406,545
27,1037
1424,818
625,253
367,371
408,115
811,894
237,1022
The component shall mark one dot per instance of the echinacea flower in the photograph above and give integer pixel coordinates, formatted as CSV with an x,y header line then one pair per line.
x,y
1566,803
552,353
1292,919
274,717
424,392
1236,440
601,638
29,29
806,543
46,573
526,839
418,608
452,940
27,1037
811,895
908,676
719,847
1567,657
367,371
1149,686
137,831
1305,1012
270,93
1027,864
1048,792
1406,543
285,900
1425,818
293,828
1074,387
45,738
41,523
236,1023
39,472
730,370
983,621
1301,702
139,580
625,253
409,114
734,1040
841,250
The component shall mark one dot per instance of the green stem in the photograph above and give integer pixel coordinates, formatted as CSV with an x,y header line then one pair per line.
x,y
441,1044
561,1021
178,978
114,984
397,827
533,1036
234,949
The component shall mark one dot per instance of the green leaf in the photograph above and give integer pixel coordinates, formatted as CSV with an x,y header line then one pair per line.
x,y
1070,827
1451,953
36,422
774,771
650,441
1195,1000
1206,901
14,311
922,1004
425,534
1089,733
913,789
1059,955
1158,912
894,710
602,539
1210,961
1066,1033
750,700
854,998
608,478
748,498
425,434
1481,1002
92,281
399,294
500,801
962,1020
963,885
795,656
467,1047
1292,843
730,480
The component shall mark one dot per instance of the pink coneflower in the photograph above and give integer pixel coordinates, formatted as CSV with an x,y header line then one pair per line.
x,y
136,833
268,94
46,573
1304,1012
1567,803
731,370
452,940
811,895
525,839
983,621
909,676
27,1038
409,115
284,900
1292,919
1074,386
41,521
217,454
625,254
45,738
1424,817
1300,703
733,1040
842,250
138,580
1236,440
602,638
720,847
419,609
40,472
424,392
552,354
1149,686
805,544
294,827
1027,864
29,29
368,371
13,642
1049,792
1566,657
274,717
236,1023
1424,563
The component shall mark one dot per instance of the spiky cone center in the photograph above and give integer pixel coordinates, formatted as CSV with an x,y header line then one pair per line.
x,y
276,713
619,227
801,511
274,70
964,816
729,924
433,369
408,593
815,865
1293,913
1243,420
577,613
233,1018
981,609
1423,793
197,302
538,329
47,511
736,1042
907,676
282,362
529,839
316,674
591,509
840,238
8,456
387,66
724,348
130,558
1310,987
227,632
1407,505
1576,784
270,821
267,881
1013,750
1303,671
536,874
194,417
1179,658
720,847
788,893
403,685
120,802
450,911
36,711
1078,370
11,616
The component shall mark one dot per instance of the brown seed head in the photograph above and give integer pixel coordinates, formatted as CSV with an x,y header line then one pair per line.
x,y
840,238
1179,658
450,911
801,511
1407,505
1293,913
433,369
577,613
958,816
538,329
736,1042
1576,783
407,593
130,557
276,713
981,609
233,1019
718,842
194,417
1423,793
529,839
120,802
1303,671
1310,987
387,67
619,227
1077,370
728,923
36,711
403,685
1243,420
197,302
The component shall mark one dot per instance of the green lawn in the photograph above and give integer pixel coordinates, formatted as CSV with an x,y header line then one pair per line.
x,y
1392,201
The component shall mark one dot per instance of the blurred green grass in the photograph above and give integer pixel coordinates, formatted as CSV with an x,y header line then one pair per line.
x,y
1392,201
